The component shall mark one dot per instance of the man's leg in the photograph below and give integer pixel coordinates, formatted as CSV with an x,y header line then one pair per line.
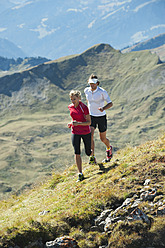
x,y
109,147
92,159
92,140
104,139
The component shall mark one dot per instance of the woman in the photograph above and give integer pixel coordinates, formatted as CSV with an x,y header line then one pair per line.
x,y
80,128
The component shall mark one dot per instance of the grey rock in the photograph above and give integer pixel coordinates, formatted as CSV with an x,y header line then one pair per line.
x,y
127,202
148,195
109,221
101,226
147,182
102,216
136,203
161,210
138,214
51,244
44,212
62,242
94,229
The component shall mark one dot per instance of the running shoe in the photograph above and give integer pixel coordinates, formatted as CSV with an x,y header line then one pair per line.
x,y
80,177
109,155
92,160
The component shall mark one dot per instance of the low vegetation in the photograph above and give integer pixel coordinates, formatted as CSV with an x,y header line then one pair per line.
x,y
34,113
61,206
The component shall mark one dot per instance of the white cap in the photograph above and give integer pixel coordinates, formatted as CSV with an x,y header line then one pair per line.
x,y
92,81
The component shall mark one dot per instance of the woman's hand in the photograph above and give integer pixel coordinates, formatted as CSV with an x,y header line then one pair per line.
x,y
85,123
69,125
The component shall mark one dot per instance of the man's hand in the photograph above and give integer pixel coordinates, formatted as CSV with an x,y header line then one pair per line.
x,y
101,109
109,105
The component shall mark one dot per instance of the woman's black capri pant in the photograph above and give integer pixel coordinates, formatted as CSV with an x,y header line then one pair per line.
x,y
76,141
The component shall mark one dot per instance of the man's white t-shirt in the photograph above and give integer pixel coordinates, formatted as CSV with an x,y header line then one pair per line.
x,y
96,99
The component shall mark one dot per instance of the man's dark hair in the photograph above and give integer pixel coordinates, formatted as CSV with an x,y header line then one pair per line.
x,y
94,76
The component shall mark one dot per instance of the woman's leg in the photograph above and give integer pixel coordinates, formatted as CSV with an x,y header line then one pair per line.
x,y
76,140
87,143
78,162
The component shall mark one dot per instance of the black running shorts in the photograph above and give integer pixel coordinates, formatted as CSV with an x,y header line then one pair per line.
x,y
100,121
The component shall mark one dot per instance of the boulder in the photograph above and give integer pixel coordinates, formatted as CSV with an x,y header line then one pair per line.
x,y
62,242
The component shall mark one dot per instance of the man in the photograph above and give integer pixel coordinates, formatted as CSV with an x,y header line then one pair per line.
x,y
96,96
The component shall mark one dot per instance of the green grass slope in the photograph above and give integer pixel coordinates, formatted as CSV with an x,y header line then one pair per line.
x,y
72,207
34,113
31,146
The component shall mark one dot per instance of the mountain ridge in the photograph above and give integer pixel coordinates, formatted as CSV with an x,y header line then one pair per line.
x,y
10,66
10,50
155,44
149,44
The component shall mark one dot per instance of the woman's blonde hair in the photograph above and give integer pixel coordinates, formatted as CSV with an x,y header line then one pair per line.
x,y
76,93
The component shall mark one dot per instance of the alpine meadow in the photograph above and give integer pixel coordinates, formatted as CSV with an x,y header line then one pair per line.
x,y
34,136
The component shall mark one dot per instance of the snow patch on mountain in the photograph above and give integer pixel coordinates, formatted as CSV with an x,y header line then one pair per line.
x,y
43,29
112,13
158,26
144,5
74,10
21,25
139,36
22,5
111,5
91,24
2,29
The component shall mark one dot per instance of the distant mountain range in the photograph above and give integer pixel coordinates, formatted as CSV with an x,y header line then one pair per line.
x,y
149,44
155,44
53,29
8,66
9,50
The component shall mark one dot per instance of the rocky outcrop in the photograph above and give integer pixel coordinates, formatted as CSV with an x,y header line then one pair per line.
x,y
130,211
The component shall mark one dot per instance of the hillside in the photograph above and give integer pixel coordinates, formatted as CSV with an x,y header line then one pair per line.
x,y
34,113
119,204
160,51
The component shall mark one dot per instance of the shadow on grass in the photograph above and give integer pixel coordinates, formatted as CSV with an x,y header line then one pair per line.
x,y
104,169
